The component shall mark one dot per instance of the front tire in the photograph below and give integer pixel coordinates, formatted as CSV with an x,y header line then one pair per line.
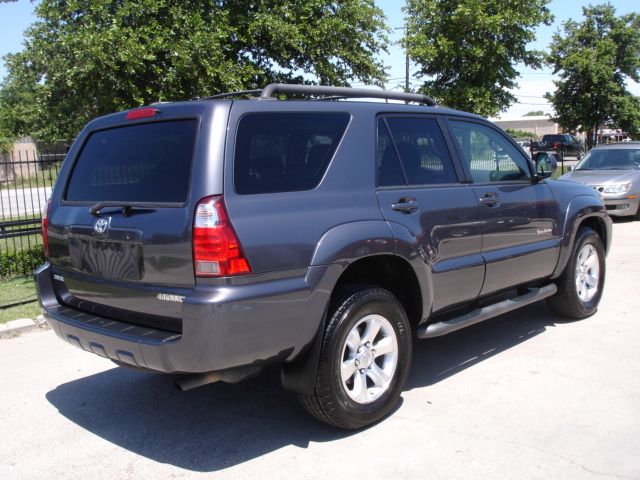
x,y
580,285
364,360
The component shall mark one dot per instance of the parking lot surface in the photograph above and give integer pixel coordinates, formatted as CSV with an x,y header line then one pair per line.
x,y
526,395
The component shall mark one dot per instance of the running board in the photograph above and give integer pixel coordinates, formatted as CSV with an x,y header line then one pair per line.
x,y
485,313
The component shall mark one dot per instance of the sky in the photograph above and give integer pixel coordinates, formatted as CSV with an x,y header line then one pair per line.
x,y
16,17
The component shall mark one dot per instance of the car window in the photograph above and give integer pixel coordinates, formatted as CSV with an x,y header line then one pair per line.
x,y
389,170
148,162
285,152
489,156
421,149
611,159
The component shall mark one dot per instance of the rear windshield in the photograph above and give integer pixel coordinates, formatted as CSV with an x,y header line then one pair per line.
x,y
148,162
284,152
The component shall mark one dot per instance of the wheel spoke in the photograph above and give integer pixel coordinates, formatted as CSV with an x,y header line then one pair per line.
x,y
591,281
373,327
378,376
384,346
353,340
347,369
591,261
360,387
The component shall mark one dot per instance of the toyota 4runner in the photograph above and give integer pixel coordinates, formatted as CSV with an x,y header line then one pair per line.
x,y
212,237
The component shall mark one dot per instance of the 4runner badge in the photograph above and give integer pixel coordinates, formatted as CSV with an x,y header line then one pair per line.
x,y
101,225
169,297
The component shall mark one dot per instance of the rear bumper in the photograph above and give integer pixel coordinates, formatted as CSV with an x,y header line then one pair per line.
x,y
223,326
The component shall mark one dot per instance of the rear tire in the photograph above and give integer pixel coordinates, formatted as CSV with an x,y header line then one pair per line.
x,y
364,360
580,285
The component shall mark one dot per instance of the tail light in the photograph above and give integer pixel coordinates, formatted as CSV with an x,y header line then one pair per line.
x,y
216,249
45,228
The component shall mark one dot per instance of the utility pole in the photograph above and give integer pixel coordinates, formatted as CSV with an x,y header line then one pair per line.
x,y
406,68
406,59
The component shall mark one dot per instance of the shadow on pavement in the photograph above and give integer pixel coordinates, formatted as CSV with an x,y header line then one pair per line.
x,y
221,425
438,358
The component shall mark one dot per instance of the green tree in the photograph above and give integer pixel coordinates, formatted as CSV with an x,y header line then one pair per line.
x,y
534,113
85,58
520,133
468,49
594,59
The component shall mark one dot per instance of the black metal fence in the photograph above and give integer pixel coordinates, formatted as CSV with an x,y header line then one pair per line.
x,y
26,179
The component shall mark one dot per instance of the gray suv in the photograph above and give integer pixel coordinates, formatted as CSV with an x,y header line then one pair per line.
x,y
209,238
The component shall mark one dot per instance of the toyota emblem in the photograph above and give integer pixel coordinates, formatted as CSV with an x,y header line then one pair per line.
x,y
101,225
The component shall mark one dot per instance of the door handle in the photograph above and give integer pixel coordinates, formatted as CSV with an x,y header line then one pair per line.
x,y
406,205
490,199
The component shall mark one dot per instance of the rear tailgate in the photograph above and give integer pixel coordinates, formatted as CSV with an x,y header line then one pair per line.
x,y
121,216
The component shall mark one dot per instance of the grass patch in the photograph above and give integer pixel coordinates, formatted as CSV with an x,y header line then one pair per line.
x,y
16,290
28,310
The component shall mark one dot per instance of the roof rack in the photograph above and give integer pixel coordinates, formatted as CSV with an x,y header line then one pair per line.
x,y
343,92
240,93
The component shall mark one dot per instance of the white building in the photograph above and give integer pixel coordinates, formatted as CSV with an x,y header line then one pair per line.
x,y
538,126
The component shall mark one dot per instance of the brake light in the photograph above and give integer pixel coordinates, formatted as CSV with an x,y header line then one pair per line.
x,y
138,113
45,228
216,249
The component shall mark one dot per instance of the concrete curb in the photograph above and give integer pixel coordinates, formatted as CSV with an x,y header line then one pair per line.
x,y
22,325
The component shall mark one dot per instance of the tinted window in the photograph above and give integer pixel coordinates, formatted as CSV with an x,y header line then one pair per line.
x,y
489,156
422,149
389,170
140,163
282,152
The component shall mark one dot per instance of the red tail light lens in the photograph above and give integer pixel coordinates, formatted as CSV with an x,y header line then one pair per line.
x,y
139,113
45,228
216,249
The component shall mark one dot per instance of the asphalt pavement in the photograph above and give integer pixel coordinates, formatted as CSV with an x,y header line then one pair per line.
x,y
523,396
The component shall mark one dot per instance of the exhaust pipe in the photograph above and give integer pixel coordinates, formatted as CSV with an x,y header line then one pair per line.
x,y
232,375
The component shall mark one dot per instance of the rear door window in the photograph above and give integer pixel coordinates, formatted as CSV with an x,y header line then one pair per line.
x,y
148,162
422,149
284,152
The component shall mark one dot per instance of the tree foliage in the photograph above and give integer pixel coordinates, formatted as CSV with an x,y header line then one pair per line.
x,y
534,113
468,49
520,133
84,58
594,59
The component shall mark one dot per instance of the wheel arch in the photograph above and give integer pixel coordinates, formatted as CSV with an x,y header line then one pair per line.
x,y
582,211
388,271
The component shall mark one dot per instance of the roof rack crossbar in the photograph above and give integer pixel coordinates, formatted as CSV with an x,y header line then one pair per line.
x,y
232,94
347,92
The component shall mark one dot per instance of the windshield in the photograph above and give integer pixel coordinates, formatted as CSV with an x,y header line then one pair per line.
x,y
611,159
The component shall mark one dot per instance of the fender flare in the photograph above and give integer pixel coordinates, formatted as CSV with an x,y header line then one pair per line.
x,y
580,209
336,250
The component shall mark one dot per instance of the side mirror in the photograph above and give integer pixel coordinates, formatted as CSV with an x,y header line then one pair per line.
x,y
546,164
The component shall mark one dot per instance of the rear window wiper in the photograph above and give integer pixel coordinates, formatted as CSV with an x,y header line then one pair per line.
x,y
127,207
